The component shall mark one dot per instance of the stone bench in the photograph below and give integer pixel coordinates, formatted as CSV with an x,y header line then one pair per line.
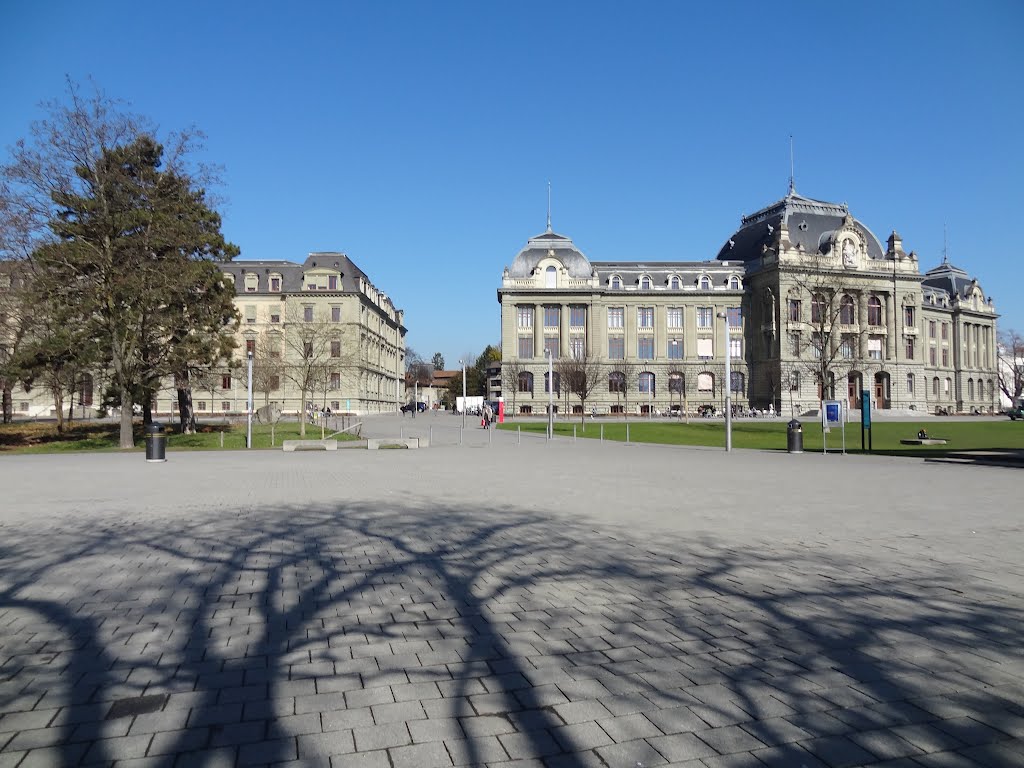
x,y
310,445
925,441
376,443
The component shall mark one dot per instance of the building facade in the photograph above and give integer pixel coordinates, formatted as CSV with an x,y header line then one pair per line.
x,y
803,298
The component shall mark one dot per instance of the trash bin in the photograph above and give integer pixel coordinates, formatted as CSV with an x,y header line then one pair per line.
x,y
156,442
794,437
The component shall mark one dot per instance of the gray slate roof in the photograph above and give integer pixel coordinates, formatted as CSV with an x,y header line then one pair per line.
x,y
292,272
537,248
811,225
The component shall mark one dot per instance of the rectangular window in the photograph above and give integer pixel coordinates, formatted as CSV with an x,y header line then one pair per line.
x,y
645,348
332,283
846,348
275,284
250,314
226,405
577,347
615,317
335,380
910,348
945,331
577,317
645,317
551,346
794,310
705,317
705,348
335,349
225,381
307,349
931,355
735,347
275,382
335,314
526,347
675,349
616,348
910,383
551,315
945,358
908,317
735,317
307,314
524,318
816,346
931,329
875,349
335,406
675,317
250,346
275,317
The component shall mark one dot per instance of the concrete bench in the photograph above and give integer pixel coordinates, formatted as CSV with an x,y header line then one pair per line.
x,y
310,445
376,443
925,441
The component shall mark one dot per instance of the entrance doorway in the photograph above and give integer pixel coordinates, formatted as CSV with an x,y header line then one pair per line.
x,y
853,386
881,390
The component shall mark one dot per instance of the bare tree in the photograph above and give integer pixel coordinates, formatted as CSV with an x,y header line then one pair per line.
x,y
511,370
835,340
306,345
581,375
14,323
623,379
1011,365
267,365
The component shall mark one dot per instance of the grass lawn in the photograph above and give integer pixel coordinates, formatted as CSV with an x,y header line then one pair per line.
x,y
998,434
42,437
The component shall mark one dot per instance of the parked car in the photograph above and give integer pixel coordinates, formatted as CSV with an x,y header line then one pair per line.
x,y
420,407
1016,412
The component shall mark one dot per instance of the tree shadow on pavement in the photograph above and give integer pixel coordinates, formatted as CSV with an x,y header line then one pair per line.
x,y
277,634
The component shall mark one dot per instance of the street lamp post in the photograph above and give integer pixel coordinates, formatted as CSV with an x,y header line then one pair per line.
x,y
551,394
248,408
463,364
728,383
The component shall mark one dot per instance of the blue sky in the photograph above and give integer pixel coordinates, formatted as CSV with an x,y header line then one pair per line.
x,y
419,138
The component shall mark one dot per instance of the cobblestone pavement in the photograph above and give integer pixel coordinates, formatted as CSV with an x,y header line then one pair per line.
x,y
537,605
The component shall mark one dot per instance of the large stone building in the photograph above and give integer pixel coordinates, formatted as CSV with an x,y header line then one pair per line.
x,y
803,298
321,321
323,317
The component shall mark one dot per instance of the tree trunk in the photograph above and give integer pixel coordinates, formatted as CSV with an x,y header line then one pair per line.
x,y
8,405
302,417
127,436
186,414
58,405
147,412
71,407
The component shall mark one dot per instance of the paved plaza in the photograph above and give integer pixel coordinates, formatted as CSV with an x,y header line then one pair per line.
x,y
499,603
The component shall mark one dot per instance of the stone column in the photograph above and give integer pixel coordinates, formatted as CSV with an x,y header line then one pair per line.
x,y
890,328
862,324
538,330
563,331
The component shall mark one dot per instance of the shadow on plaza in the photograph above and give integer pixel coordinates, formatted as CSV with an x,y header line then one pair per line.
x,y
511,611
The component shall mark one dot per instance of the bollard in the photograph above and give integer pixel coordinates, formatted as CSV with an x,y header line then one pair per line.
x,y
519,434
222,438
627,433
574,433
602,433
156,442
461,430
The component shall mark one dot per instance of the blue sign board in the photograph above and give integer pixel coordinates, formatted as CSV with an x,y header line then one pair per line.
x,y
833,413
865,409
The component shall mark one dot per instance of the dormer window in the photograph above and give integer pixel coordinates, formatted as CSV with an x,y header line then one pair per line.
x,y
734,283
674,283
550,277
252,283
645,283
332,283
705,283
616,283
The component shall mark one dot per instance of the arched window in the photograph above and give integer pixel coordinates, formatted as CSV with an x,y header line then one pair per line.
x,y
734,283
705,283
818,307
558,383
910,383
674,283
616,381
947,387
252,283
874,311
676,383
616,283
970,389
645,283
794,381
646,383
935,386
738,381
526,382
847,315
705,382
550,277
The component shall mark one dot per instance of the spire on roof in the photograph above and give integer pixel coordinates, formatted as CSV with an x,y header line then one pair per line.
x,y
549,206
945,245
792,175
